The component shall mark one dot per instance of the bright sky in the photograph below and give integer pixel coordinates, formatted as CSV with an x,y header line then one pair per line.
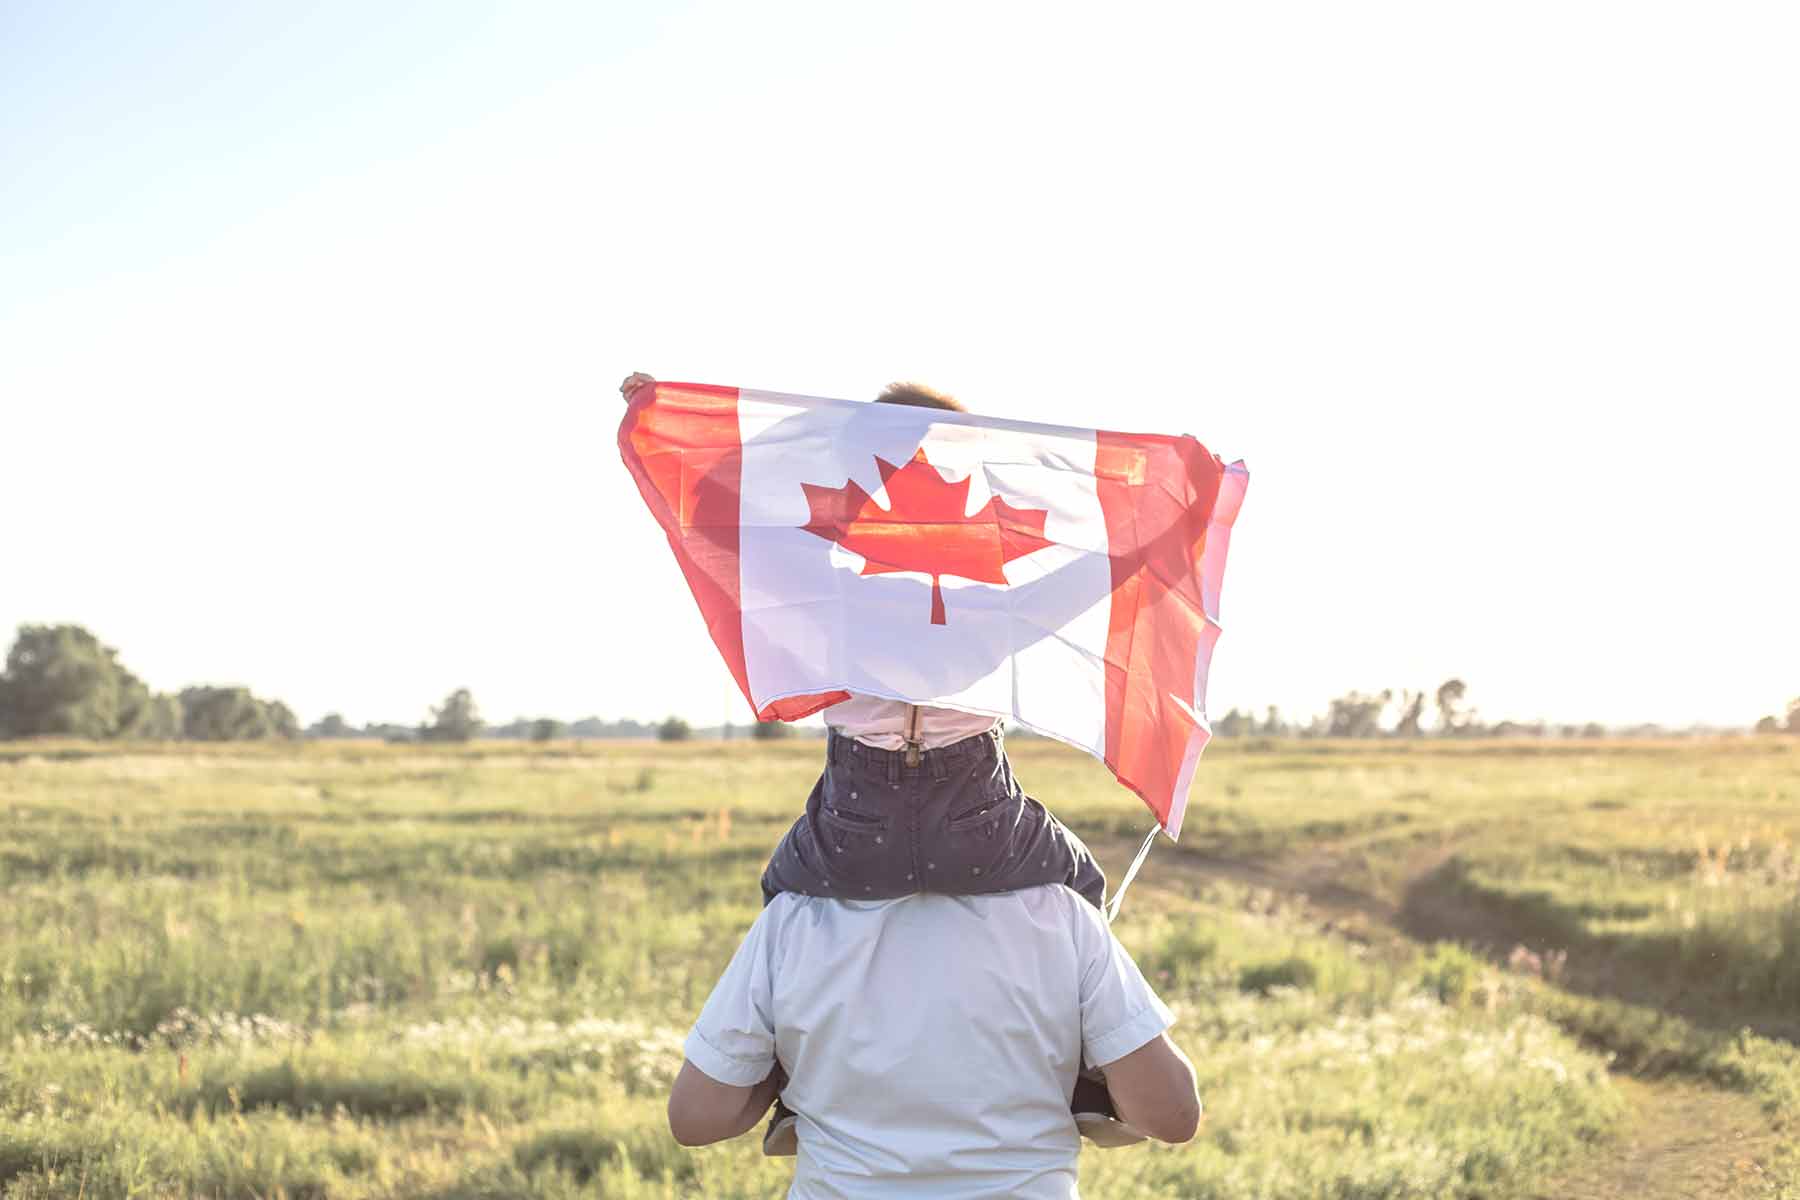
x,y
311,318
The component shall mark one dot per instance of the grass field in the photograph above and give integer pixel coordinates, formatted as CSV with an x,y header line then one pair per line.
x,y
1402,969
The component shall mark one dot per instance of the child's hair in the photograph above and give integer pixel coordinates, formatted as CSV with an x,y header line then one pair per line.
x,y
919,396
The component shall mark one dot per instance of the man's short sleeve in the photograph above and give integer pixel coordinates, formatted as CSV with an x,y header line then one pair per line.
x,y
1119,1012
733,1040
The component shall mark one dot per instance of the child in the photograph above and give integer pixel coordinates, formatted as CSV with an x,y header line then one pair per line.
x,y
920,799
926,806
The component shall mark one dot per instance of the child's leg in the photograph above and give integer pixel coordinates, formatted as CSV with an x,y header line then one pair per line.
x,y
1045,845
792,866
1085,875
850,842
987,835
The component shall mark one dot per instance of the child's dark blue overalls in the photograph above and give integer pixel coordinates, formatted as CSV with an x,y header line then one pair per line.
x,y
887,823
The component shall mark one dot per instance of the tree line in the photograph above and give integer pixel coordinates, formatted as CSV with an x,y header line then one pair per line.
x,y
1445,712
1390,713
60,680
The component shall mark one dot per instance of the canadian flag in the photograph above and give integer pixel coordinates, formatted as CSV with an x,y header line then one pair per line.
x,y
1067,579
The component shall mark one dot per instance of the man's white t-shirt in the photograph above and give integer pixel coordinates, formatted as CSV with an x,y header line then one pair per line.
x,y
931,1042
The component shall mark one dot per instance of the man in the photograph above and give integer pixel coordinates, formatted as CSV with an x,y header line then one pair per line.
x,y
931,1043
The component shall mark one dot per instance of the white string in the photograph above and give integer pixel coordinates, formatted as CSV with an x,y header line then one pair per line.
x,y
1118,896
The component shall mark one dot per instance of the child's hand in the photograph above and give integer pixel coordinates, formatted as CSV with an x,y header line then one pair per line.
x,y
633,382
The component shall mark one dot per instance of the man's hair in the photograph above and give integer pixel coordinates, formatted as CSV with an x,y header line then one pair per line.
x,y
919,396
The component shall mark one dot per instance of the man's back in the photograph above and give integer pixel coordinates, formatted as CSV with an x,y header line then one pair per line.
x,y
931,1042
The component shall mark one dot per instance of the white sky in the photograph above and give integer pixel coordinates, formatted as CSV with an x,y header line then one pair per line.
x,y
311,318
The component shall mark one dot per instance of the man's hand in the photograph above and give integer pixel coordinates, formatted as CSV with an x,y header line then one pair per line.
x,y
633,382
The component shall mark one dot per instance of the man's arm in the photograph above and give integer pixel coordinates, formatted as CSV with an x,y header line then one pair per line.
x,y
703,1111
1124,1032
1153,1089
730,1074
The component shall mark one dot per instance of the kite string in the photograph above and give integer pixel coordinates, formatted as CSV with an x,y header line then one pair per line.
x,y
1118,896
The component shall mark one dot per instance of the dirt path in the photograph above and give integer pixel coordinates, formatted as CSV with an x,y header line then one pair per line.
x,y
1682,1141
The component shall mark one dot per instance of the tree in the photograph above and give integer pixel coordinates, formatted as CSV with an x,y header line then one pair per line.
x,y
59,679
1233,724
157,718
1409,718
232,714
455,720
282,720
1790,723
145,714
1273,726
771,731
1450,695
546,729
135,703
1356,715
331,725
674,730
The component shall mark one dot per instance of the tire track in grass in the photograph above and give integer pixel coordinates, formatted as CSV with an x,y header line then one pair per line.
x,y
1683,1140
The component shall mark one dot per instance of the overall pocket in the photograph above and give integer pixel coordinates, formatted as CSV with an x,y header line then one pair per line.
x,y
989,813
994,804
851,834
850,820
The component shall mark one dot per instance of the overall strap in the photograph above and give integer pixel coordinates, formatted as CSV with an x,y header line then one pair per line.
x,y
914,743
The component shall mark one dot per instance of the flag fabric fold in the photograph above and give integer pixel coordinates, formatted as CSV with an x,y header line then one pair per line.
x,y
1067,579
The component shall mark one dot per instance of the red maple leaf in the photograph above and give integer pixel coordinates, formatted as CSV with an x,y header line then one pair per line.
x,y
924,528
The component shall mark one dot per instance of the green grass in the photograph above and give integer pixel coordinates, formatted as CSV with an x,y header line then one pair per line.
x,y
369,971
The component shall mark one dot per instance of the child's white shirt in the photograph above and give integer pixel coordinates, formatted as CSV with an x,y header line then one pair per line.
x,y
884,724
